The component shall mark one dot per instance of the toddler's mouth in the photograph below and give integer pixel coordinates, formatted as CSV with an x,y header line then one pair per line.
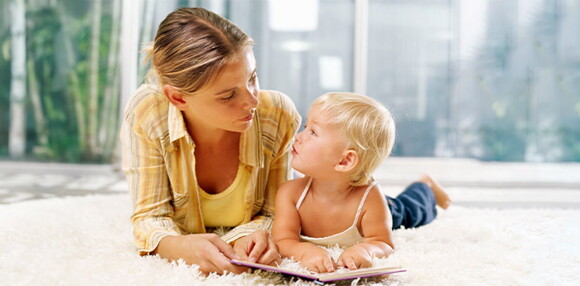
x,y
294,152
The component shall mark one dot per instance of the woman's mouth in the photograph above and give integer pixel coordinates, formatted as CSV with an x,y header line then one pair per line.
x,y
248,118
294,152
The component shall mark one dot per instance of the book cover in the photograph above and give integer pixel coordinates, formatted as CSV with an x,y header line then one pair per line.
x,y
326,277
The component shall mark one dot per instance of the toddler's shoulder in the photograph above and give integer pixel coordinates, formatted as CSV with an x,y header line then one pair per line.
x,y
376,197
293,188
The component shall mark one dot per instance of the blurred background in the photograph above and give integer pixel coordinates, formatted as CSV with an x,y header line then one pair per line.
x,y
486,80
493,80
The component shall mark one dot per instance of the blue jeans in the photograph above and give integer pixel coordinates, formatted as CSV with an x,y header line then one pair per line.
x,y
414,207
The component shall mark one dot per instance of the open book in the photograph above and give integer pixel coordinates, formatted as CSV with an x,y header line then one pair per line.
x,y
325,277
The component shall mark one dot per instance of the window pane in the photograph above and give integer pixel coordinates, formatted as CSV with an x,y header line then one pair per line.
x,y
303,48
408,68
59,92
494,80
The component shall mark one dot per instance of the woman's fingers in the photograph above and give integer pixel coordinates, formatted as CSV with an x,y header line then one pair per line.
x,y
214,255
240,249
271,255
223,247
260,243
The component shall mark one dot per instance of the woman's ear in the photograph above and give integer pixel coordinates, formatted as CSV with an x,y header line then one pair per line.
x,y
348,162
176,97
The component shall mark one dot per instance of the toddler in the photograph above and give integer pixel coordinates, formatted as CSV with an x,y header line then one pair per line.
x,y
346,137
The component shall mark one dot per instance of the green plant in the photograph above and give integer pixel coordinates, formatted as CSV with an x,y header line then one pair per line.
x,y
71,80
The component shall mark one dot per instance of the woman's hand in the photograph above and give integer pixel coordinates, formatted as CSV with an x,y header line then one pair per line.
x,y
258,247
355,257
209,251
317,259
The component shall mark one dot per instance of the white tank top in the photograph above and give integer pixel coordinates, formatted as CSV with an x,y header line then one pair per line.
x,y
346,238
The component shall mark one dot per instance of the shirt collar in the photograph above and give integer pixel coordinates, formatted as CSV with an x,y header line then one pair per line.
x,y
251,145
176,123
250,141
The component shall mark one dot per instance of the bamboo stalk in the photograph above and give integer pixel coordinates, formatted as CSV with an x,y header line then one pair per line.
x,y
17,135
34,94
109,112
74,81
93,103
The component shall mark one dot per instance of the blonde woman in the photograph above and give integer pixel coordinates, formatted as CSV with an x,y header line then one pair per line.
x,y
345,139
204,148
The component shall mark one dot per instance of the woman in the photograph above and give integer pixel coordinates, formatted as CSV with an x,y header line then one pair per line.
x,y
204,148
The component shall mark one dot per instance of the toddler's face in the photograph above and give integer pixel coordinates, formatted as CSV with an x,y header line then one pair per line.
x,y
319,147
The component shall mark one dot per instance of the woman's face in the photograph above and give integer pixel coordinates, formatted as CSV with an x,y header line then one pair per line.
x,y
229,102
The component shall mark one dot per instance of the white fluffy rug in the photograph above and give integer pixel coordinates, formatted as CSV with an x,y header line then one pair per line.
x,y
87,241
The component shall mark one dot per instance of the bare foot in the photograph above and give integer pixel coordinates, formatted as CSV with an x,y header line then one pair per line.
x,y
441,197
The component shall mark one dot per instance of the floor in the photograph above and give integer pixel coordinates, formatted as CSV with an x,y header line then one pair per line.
x,y
469,182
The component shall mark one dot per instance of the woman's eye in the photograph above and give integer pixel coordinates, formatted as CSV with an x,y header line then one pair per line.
x,y
228,97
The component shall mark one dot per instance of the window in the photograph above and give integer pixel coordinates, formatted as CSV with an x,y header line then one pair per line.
x,y
486,79
59,97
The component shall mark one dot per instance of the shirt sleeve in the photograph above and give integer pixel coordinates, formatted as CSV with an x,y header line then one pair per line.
x,y
278,173
146,174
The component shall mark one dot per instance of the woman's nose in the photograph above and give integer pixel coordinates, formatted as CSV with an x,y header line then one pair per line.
x,y
251,99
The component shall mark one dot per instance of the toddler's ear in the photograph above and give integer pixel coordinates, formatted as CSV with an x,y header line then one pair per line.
x,y
348,162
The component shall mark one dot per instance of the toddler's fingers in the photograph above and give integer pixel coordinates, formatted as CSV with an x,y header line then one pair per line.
x,y
350,264
340,262
329,264
317,268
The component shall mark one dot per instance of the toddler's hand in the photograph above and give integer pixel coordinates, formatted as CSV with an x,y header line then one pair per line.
x,y
317,259
355,257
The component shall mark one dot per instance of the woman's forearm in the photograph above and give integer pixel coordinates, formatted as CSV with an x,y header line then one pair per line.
x,y
168,247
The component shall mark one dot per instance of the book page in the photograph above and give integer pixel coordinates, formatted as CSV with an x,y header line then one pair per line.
x,y
359,273
273,268
324,277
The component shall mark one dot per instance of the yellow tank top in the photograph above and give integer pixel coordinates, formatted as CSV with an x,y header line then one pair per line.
x,y
226,208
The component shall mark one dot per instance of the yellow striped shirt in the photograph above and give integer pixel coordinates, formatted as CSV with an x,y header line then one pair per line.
x,y
159,163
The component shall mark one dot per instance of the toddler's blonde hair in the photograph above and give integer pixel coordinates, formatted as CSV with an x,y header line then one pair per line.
x,y
368,127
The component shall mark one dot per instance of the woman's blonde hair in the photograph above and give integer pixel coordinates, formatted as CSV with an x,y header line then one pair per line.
x,y
192,47
368,127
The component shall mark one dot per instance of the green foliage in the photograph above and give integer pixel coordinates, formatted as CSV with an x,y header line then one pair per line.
x,y
5,77
57,52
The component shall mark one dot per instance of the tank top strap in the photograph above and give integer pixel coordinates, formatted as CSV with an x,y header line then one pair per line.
x,y
362,201
299,203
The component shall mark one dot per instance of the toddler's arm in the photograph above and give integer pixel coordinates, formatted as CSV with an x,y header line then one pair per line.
x,y
286,232
376,228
